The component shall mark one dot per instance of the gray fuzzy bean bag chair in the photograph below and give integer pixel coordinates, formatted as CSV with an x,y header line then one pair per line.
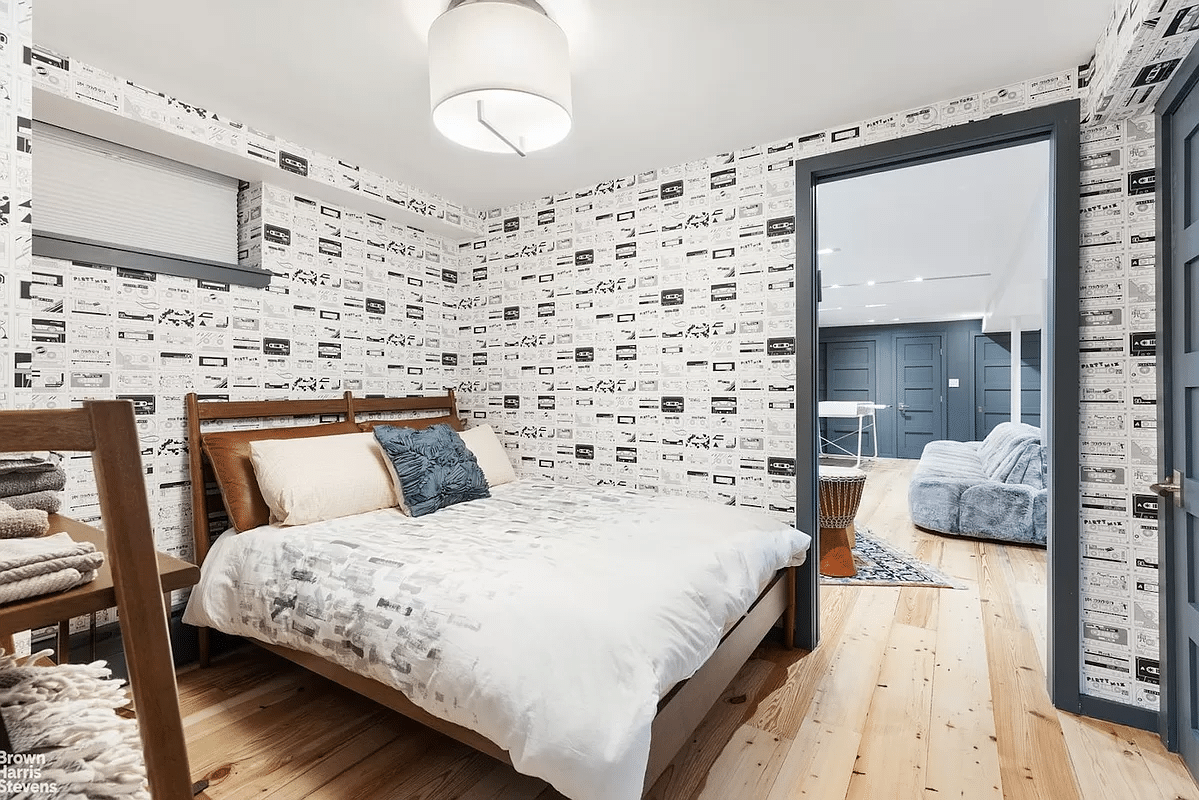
x,y
993,489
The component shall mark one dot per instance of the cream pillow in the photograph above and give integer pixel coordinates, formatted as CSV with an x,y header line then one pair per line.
x,y
490,454
322,477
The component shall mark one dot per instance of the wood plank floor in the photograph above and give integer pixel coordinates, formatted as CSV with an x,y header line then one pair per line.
x,y
913,693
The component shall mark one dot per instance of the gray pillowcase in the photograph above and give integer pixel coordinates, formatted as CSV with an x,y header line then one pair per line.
x,y
434,466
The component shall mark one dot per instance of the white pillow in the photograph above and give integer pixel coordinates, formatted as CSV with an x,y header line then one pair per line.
x,y
322,477
490,454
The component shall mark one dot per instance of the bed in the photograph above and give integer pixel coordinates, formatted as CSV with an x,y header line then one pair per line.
x,y
578,633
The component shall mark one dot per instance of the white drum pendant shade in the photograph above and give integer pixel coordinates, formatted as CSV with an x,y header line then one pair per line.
x,y
499,77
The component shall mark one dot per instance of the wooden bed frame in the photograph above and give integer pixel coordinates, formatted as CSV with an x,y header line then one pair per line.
x,y
679,712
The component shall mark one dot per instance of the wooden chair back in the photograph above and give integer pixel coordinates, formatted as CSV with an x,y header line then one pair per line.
x,y
107,429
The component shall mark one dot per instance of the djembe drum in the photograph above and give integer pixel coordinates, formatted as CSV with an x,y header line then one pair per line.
x,y
840,496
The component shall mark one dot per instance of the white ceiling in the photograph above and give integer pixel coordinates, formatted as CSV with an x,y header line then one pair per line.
x,y
964,238
656,82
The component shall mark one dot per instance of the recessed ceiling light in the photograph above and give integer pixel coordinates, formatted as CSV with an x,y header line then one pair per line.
x,y
917,280
835,286
895,319
828,251
875,305
869,283
870,320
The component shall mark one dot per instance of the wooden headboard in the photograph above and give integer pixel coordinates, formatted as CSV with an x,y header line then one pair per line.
x,y
344,408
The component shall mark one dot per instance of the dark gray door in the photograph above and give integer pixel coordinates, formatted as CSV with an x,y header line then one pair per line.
x,y
919,393
1180,331
993,380
850,375
1030,378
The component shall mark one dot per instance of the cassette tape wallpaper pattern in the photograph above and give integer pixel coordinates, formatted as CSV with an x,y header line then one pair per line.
x,y
641,333
1118,456
16,184
355,303
641,330
100,89
1143,44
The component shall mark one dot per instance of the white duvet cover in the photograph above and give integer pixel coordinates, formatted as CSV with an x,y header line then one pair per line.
x,y
548,618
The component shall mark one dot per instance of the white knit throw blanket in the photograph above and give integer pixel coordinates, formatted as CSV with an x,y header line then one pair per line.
x,y
68,742
38,565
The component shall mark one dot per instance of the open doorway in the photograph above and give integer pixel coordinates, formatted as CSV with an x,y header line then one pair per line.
x,y
926,274
1055,128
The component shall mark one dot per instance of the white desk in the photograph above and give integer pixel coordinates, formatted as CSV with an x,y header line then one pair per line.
x,y
863,412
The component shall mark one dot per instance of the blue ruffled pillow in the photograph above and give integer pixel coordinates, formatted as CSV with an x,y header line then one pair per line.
x,y
433,465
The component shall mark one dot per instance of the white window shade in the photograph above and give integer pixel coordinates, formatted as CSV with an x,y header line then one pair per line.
x,y
91,190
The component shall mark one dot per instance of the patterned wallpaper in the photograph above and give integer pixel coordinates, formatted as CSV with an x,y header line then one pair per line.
x,y
16,182
355,303
639,330
16,188
98,88
1118,448
1141,47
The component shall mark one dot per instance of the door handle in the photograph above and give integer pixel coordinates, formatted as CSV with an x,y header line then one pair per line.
x,y
1171,487
902,406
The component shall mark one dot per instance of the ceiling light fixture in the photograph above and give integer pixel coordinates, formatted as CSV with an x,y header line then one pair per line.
x,y
499,76
828,251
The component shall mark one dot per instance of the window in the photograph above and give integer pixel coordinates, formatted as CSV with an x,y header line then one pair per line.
x,y
104,203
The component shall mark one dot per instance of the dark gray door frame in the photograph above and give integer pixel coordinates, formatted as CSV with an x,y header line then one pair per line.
x,y
1187,77
1057,123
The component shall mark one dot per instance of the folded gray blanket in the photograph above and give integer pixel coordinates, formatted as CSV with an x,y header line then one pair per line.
x,y
26,462
49,502
16,523
51,480
29,567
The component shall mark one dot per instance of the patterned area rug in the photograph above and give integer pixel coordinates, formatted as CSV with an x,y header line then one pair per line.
x,y
880,564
